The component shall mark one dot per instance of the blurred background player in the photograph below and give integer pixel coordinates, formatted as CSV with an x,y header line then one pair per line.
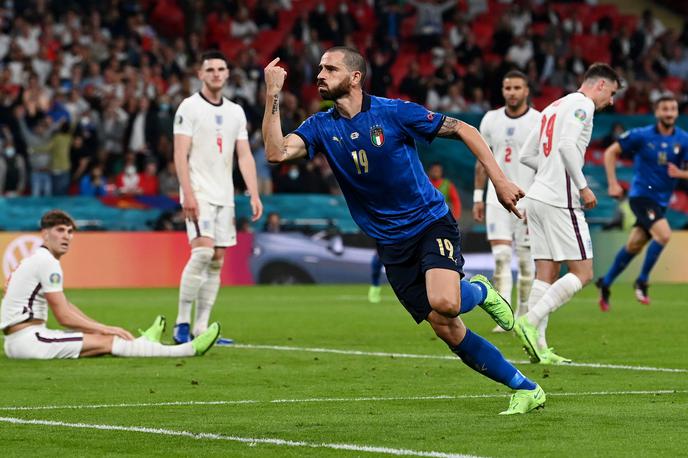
x,y
505,130
558,230
36,285
207,129
451,198
659,153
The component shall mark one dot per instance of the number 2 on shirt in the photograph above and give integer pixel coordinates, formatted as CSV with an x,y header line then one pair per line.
x,y
548,127
361,160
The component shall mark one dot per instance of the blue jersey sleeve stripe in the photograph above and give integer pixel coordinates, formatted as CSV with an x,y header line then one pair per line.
x,y
434,133
305,141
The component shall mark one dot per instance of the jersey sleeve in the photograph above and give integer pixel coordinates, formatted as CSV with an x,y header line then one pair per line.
x,y
630,141
183,120
308,132
50,276
418,122
242,133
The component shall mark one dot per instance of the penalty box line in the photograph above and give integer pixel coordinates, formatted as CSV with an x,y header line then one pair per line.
x,y
443,357
250,441
324,400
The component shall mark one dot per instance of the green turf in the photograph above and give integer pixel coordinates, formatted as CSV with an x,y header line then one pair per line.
x,y
600,424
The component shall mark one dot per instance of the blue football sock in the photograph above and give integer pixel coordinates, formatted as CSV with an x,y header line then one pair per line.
x,y
376,270
472,294
622,259
653,251
483,357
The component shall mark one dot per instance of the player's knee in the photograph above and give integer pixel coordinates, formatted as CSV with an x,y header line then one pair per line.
x,y
663,239
202,255
585,276
445,304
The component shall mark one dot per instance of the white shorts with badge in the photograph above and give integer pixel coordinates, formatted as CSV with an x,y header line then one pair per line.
x,y
558,233
215,222
504,225
39,342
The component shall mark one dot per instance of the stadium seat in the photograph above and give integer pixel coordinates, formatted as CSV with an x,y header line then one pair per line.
x,y
673,84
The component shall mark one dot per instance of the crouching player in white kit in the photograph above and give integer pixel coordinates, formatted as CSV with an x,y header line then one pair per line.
x,y
207,127
558,230
36,285
505,130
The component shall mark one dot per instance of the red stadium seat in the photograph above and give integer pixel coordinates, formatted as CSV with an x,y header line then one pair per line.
x,y
673,84
483,31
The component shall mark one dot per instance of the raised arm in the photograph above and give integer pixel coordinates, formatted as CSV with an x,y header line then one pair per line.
x,y
507,192
278,148
247,167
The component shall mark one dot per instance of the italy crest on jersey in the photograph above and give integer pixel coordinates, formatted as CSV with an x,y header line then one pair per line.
x,y
377,136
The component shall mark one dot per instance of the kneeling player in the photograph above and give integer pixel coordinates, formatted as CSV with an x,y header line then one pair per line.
x,y
37,285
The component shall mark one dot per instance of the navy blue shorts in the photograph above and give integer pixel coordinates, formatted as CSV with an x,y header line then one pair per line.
x,y
647,212
439,246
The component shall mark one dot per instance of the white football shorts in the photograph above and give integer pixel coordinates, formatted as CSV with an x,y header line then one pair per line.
x,y
504,225
558,233
215,222
39,342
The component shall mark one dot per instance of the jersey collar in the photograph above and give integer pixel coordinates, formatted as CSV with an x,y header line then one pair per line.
x,y
213,104
365,106
516,117
673,131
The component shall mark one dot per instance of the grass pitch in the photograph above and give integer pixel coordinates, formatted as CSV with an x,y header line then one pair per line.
x,y
313,375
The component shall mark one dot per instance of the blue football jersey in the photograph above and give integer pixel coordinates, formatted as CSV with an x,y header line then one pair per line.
x,y
651,153
375,161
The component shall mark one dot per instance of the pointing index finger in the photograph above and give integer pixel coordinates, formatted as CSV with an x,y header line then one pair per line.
x,y
273,63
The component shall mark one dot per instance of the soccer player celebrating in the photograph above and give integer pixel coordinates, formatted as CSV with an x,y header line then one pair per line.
x,y
36,285
558,230
370,143
207,130
659,152
505,130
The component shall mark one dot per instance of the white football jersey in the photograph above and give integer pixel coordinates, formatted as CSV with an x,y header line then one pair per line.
x,y
570,119
506,136
24,297
214,131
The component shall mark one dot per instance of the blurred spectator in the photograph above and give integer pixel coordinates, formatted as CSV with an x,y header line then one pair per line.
x,y
414,85
128,182
148,180
243,27
429,25
60,163
478,104
93,183
142,130
38,150
446,187
169,183
12,170
273,223
521,52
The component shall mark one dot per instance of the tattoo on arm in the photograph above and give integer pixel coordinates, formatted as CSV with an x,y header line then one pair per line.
x,y
275,104
450,128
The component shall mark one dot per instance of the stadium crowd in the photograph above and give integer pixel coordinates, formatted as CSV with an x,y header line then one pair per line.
x,y
88,90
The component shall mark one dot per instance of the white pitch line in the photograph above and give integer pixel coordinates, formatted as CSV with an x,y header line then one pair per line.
x,y
314,400
246,440
416,356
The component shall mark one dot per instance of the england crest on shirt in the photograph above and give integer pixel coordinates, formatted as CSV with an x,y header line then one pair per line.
x,y
218,119
510,131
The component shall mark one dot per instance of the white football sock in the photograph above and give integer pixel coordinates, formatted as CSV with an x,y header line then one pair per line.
x,y
142,347
525,278
557,295
537,291
192,276
206,297
501,279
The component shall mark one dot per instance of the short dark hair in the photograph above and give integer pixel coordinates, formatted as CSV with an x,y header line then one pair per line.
x,y
213,54
515,74
601,70
665,97
353,59
54,218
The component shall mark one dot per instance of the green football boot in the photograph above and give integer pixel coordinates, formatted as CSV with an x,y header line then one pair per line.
x,y
529,337
551,358
524,401
154,333
375,294
495,305
203,342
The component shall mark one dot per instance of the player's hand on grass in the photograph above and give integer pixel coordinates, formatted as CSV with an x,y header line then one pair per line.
x,y
256,208
274,77
615,190
588,197
478,211
119,332
508,195
190,208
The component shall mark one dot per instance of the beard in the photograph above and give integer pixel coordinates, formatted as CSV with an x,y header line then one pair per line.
x,y
668,123
336,92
